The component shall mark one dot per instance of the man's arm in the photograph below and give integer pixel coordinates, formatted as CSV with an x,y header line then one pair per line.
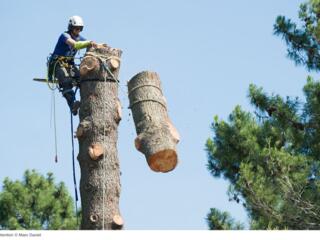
x,y
80,44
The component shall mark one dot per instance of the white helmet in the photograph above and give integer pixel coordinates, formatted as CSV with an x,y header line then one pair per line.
x,y
75,21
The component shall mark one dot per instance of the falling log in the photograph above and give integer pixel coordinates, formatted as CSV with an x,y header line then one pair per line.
x,y
97,135
157,137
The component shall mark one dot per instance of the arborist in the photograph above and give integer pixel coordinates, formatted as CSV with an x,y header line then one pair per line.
x,y
61,65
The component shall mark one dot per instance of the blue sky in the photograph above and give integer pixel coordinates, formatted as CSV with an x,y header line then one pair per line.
x,y
206,53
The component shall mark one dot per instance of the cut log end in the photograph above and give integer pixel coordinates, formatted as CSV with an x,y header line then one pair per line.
x,y
88,65
163,161
117,222
114,63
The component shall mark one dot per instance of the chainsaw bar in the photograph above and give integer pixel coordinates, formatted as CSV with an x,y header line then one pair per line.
x,y
44,80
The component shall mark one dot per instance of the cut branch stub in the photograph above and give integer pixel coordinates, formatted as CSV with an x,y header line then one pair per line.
x,y
114,63
94,218
174,132
137,143
80,131
117,222
95,151
157,137
119,112
84,126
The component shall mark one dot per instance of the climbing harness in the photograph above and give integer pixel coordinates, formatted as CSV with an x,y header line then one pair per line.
x,y
66,62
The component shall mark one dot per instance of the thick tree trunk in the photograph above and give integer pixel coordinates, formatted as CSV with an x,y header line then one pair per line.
x,y
157,137
97,135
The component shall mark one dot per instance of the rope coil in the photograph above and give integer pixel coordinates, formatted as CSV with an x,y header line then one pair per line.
x,y
145,85
147,100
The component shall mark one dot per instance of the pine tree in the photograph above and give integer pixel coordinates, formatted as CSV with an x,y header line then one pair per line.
x,y
271,156
36,203
303,41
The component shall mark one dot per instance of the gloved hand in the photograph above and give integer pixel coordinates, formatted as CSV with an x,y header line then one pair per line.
x,y
93,44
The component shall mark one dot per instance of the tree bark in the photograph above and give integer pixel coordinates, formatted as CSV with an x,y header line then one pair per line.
x,y
157,137
97,135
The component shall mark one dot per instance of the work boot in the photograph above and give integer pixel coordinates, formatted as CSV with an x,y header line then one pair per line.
x,y
75,107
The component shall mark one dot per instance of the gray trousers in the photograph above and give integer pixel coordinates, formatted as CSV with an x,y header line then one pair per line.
x,y
66,76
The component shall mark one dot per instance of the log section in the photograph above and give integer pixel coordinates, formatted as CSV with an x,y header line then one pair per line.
x,y
157,137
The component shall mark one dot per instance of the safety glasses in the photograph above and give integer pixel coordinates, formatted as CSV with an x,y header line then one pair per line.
x,y
78,28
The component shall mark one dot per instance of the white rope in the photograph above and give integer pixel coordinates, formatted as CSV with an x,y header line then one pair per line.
x,y
53,117
53,87
104,150
55,127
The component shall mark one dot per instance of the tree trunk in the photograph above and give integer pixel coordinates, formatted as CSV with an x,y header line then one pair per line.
x,y
157,137
97,135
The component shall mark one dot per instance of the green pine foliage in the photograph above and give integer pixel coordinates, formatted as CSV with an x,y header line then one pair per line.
x,y
302,40
222,221
272,157
36,203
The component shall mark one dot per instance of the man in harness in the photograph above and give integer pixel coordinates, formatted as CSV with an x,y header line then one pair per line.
x,y
61,63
